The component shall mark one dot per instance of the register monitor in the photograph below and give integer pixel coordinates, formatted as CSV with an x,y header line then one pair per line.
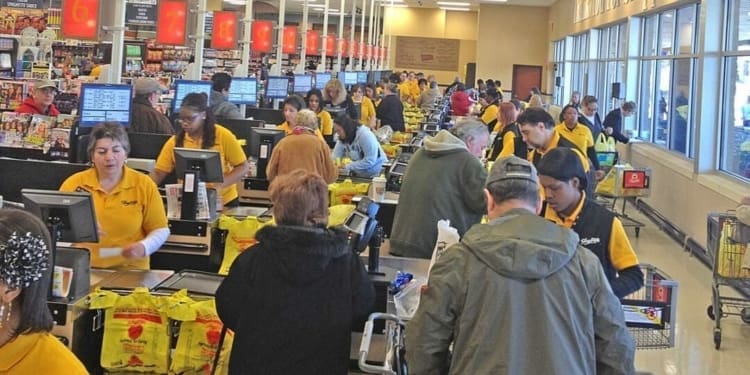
x,y
102,102
262,142
321,79
243,91
302,83
350,78
606,159
182,87
72,212
277,87
194,166
362,77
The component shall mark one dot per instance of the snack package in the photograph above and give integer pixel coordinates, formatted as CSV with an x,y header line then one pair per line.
x,y
240,236
136,331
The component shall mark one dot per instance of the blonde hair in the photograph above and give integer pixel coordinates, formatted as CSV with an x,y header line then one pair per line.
x,y
307,118
332,84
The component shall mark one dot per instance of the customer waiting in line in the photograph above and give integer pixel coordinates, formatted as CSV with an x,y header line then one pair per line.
x,y
336,100
535,98
293,298
444,180
302,150
359,144
460,102
518,295
427,99
41,100
589,115
128,207
614,119
199,130
220,105
144,117
26,344
578,133
292,105
391,110
508,140
366,107
314,101
599,230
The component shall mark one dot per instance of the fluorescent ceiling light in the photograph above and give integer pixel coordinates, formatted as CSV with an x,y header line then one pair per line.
x,y
458,9
449,3
394,5
389,1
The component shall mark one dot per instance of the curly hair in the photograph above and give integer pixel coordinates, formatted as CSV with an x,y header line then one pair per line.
x,y
198,102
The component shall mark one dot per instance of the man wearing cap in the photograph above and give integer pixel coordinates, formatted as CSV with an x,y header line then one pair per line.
x,y
444,180
41,100
145,118
518,295
564,182
220,105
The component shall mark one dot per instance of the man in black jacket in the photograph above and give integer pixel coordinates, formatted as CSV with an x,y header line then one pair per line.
x,y
146,119
613,121
564,181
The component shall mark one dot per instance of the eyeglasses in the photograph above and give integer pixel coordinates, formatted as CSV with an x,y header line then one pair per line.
x,y
188,119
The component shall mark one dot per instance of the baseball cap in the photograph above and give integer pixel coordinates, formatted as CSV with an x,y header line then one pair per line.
x,y
512,168
147,85
44,84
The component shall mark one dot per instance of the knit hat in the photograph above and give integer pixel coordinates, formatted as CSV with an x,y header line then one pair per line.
x,y
145,86
562,164
511,168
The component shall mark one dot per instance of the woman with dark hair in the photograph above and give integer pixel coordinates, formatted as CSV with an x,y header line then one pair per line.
x,y
365,106
460,102
292,105
198,130
314,100
359,144
26,345
391,110
128,206
293,298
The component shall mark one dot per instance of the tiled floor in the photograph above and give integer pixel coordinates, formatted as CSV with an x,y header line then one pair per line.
x,y
694,351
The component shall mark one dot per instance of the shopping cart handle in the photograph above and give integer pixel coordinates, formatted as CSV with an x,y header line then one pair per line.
x,y
364,347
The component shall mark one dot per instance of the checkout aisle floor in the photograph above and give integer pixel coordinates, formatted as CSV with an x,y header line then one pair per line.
x,y
694,352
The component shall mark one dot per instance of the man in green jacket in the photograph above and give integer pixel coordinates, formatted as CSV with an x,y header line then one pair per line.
x,y
518,295
444,180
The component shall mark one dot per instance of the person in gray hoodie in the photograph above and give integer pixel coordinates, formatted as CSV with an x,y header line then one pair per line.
x,y
518,295
220,105
444,180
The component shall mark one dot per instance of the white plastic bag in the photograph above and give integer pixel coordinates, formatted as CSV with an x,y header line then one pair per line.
x,y
407,300
447,237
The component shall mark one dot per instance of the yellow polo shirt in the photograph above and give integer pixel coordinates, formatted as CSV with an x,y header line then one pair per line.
x,y
580,135
38,353
621,253
490,114
552,144
227,145
509,145
125,215
289,130
368,110
326,123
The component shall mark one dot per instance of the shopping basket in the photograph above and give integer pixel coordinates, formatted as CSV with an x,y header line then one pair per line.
x,y
651,312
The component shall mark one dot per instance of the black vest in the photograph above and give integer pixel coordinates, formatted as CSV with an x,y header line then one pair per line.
x,y
594,228
519,146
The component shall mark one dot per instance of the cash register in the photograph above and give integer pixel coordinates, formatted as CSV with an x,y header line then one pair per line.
x,y
254,189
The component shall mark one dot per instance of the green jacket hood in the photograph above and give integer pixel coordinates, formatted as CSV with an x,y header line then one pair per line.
x,y
520,244
444,141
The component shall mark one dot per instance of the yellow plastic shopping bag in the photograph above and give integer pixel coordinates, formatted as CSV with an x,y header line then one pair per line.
x,y
731,253
240,236
343,192
604,143
136,331
337,214
198,342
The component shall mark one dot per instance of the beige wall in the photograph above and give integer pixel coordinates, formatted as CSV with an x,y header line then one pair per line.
x,y
511,35
434,23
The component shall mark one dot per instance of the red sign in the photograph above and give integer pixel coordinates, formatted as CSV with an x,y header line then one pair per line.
x,y
312,44
224,34
634,180
353,48
171,23
331,45
369,51
343,44
80,19
289,44
261,36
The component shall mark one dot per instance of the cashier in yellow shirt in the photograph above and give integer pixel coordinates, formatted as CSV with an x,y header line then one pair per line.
x,y
562,176
129,210
488,115
292,105
314,100
577,133
198,130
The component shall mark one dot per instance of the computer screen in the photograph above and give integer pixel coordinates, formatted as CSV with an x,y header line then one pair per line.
x,y
277,87
321,79
73,212
244,91
207,163
132,50
606,159
146,145
262,142
105,102
376,75
183,87
350,78
302,83
362,77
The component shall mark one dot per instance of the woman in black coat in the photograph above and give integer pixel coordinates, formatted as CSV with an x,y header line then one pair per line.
x,y
292,298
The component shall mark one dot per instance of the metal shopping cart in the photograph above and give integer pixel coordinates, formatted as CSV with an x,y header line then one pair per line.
x,y
651,312
727,242
394,362
622,182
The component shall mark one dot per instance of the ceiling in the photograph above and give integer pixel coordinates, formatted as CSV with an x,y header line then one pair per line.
x,y
316,6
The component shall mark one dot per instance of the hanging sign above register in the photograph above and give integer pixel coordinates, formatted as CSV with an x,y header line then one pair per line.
x,y
140,12
24,4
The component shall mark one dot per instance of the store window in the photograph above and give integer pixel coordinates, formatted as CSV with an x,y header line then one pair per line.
x,y
580,67
610,68
559,93
666,79
735,150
